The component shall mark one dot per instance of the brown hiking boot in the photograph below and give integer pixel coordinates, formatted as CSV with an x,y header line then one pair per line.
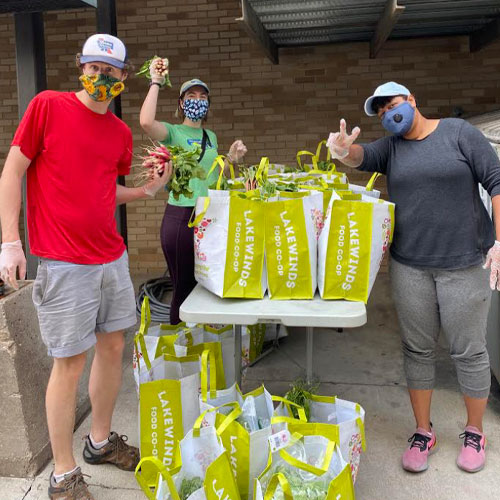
x,y
73,487
116,452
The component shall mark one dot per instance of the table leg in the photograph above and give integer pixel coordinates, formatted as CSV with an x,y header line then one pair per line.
x,y
309,353
237,353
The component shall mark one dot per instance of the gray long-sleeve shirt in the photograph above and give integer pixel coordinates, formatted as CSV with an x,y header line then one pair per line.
x,y
441,221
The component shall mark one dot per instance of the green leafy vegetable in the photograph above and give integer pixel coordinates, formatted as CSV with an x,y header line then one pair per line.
x,y
186,167
301,489
299,394
325,166
288,187
224,185
189,486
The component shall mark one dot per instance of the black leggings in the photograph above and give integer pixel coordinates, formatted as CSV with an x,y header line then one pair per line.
x,y
178,248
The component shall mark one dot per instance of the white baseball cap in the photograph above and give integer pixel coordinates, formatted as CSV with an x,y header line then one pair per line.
x,y
385,90
104,48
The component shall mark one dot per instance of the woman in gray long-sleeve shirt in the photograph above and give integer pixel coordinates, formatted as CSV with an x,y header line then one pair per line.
x,y
442,236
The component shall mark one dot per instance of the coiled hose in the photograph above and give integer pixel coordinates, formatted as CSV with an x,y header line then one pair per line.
x,y
155,289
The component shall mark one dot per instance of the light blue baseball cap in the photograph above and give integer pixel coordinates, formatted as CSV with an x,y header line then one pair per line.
x,y
385,90
195,82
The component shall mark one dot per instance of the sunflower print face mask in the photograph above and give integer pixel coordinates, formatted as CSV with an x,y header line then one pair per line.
x,y
102,87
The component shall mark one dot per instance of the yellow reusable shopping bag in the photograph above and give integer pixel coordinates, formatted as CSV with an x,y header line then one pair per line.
x,y
309,467
356,235
169,406
202,471
151,343
293,223
248,450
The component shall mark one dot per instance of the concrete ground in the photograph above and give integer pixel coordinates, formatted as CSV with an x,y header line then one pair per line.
x,y
362,365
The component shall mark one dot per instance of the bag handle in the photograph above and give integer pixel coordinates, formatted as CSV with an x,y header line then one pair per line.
x,y
195,222
371,182
143,330
145,316
139,340
350,196
261,174
295,462
217,331
161,471
219,161
318,150
228,419
301,412
330,173
299,156
207,358
281,480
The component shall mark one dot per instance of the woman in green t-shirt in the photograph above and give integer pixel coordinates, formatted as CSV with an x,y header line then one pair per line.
x,y
176,236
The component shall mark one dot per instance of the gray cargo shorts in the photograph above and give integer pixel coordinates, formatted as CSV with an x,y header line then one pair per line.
x,y
75,301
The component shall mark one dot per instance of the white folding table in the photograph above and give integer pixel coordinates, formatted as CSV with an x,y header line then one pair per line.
x,y
203,306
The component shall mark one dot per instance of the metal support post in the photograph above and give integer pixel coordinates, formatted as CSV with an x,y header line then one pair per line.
x,y
309,353
237,353
31,79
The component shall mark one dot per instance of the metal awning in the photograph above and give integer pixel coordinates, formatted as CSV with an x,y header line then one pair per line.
x,y
489,125
43,5
297,23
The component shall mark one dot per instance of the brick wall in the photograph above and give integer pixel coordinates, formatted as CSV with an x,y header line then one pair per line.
x,y
276,110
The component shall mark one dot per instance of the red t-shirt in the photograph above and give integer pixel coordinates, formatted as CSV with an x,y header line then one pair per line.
x,y
76,156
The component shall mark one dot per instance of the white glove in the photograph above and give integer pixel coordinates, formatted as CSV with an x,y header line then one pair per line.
x,y
236,152
11,258
158,181
340,142
493,262
154,71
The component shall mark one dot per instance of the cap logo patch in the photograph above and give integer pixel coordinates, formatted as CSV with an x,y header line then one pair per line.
x,y
105,45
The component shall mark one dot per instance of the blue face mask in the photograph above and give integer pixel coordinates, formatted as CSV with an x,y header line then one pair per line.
x,y
195,109
398,120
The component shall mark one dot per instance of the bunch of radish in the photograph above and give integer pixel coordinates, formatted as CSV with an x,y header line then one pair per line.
x,y
156,158
160,66
184,164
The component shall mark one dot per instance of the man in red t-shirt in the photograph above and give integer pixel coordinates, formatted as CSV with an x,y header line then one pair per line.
x,y
72,149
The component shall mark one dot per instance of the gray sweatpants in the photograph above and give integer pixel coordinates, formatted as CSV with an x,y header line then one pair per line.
x,y
456,301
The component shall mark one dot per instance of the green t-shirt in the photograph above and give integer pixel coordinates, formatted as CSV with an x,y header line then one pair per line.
x,y
188,138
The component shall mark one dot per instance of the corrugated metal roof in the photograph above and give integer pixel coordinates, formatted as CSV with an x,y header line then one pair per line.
x,y
489,125
306,22
43,5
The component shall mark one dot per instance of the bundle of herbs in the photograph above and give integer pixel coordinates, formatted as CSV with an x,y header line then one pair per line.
x,y
299,394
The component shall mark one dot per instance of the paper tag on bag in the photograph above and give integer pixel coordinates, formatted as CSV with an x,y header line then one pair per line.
x,y
279,440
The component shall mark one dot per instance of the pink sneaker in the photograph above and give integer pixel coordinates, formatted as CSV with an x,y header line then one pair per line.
x,y
472,455
423,443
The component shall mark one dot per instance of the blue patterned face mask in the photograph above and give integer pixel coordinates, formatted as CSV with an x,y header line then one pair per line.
x,y
195,109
